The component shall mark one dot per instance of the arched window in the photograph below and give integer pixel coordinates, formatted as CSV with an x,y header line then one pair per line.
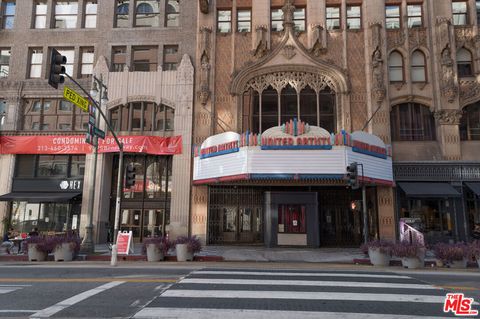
x,y
412,122
142,117
144,8
419,72
172,13
464,63
147,14
122,9
395,67
470,123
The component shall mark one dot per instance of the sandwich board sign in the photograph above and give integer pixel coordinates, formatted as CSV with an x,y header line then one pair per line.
x,y
124,243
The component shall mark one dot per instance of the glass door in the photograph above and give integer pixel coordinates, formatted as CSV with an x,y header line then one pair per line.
x,y
154,221
130,221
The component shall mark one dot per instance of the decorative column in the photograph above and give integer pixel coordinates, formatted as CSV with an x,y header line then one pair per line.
x,y
448,122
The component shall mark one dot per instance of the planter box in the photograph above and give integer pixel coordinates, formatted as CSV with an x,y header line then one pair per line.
x,y
377,258
63,252
154,253
458,264
182,252
34,254
478,260
412,262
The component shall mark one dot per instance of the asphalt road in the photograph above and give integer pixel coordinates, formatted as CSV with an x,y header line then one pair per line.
x,y
227,290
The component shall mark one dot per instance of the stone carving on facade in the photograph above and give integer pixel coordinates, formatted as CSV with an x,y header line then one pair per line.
x,y
448,117
417,37
288,10
396,38
261,41
204,6
289,52
204,92
448,87
469,91
376,34
443,35
318,40
378,91
298,80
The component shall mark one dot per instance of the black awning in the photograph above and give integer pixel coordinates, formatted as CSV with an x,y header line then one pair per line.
x,y
429,190
475,187
38,197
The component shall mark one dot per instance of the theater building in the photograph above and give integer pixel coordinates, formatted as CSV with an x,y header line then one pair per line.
x,y
290,92
144,52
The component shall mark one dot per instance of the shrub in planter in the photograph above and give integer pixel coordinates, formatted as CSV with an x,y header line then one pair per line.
x,y
412,254
456,255
37,248
475,250
379,252
156,248
186,247
65,247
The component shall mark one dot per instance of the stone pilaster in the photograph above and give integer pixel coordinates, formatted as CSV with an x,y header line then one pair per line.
x,y
200,212
449,135
386,213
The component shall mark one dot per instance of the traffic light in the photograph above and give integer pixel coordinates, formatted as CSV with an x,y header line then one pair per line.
x,y
352,175
55,76
130,176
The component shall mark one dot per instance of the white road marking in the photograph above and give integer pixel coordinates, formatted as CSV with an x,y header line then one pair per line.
x,y
18,311
200,313
295,274
302,295
306,283
5,289
135,303
50,311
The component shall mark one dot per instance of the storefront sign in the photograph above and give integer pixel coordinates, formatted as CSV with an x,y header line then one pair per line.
x,y
71,185
75,144
124,242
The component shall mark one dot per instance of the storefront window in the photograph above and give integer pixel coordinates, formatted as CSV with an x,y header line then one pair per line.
x,y
52,166
47,217
47,166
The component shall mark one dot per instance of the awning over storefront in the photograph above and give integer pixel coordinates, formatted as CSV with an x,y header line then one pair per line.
x,y
38,197
474,187
429,190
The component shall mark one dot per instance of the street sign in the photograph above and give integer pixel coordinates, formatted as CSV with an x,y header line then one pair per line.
x,y
98,132
75,98
91,119
124,242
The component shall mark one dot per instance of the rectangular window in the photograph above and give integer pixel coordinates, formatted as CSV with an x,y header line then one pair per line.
x,y
36,58
170,57
91,8
147,13
415,19
224,21
172,13
57,114
52,166
86,68
299,19
244,20
277,19
354,17
69,53
119,59
3,113
8,14
392,19
145,59
66,14
333,18
4,62
459,13
122,14
40,14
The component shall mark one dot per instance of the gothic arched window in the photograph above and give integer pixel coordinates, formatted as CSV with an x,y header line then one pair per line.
x,y
470,123
412,122
464,63
419,71
395,67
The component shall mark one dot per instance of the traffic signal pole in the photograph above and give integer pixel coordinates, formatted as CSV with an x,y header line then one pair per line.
x,y
364,207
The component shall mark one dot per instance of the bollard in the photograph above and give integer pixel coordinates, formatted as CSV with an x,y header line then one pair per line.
x,y
113,261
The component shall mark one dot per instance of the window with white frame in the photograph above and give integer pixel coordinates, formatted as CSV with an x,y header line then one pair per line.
x,y
4,62
244,20
86,68
224,21
460,12
419,72
395,67
36,59
354,17
66,14
415,17
333,18
40,14
91,8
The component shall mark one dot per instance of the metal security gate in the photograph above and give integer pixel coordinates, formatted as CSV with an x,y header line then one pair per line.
x,y
235,215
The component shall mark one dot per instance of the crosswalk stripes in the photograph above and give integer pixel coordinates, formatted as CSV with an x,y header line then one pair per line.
x,y
5,289
220,293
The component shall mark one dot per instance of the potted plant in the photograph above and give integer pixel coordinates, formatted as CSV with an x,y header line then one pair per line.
x,y
457,255
440,250
379,252
475,250
37,248
156,248
411,253
65,247
186,247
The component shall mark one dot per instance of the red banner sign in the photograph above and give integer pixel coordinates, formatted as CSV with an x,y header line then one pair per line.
x,y
75,144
